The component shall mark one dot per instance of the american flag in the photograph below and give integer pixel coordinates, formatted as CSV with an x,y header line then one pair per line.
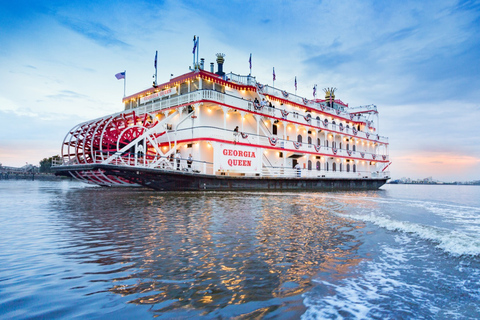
x,y
295,83
250,62
314,91
274,74
120,75
155,64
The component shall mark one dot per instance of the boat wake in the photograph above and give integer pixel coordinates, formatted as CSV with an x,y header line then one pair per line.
x,y
399,283
451,241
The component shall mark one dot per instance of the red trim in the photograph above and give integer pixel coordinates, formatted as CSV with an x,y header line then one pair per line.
x,y
250,111
265,147
348,120
338,101
189,76
217,79
261,114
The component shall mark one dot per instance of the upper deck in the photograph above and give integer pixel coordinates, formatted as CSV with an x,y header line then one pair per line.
x,y
238,92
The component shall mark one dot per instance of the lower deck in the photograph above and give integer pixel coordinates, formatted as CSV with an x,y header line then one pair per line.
x,y
172,180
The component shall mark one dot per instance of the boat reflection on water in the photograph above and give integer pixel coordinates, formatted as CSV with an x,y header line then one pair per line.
x,y
211,254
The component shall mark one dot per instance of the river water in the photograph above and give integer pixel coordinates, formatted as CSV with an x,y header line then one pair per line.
x,y
69,250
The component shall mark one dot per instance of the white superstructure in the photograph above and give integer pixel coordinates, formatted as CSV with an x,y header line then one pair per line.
x,y
279,134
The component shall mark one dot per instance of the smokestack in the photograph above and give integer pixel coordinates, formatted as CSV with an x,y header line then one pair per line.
x,y
220,61
212,67
202,63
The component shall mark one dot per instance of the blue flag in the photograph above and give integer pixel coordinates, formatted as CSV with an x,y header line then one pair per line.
x,y
120,75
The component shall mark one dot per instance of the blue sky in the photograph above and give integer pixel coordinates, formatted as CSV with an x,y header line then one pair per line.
x,y
418,61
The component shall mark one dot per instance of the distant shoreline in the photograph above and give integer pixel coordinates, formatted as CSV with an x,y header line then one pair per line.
x,y
472,183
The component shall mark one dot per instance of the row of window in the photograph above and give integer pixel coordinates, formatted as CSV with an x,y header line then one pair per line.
x,y
334,166
275,129
334,143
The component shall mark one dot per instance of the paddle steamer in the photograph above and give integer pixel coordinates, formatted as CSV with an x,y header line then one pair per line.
x,y
208,130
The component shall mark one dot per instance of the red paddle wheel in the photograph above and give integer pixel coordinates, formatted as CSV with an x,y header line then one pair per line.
x,y
97,140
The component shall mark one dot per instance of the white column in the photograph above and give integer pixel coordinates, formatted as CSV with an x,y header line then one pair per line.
x,y
224,118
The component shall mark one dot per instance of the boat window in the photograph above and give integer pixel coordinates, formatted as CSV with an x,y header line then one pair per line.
x,y
207,85
353,147
334,166
348,167
318,141
299,138
354,168
326,166
184,88
309,164
309,140
318,165
194,85
348,146
340,167
326,143
274,130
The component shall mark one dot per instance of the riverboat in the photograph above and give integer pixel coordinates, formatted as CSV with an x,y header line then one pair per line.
x,y
208,130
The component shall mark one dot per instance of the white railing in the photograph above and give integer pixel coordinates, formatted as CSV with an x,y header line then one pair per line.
x,y
248,105
305,173
205,132
246,80
204,167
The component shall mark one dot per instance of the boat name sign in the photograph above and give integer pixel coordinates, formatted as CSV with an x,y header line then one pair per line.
x,y
237,158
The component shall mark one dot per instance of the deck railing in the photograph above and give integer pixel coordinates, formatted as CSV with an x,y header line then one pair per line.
x,y
205,132
267,111
204,167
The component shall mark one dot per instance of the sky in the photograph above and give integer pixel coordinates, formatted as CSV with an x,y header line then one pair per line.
x,y
417,61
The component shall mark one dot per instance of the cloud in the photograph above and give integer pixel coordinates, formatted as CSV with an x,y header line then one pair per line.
x,y
96,31
67,95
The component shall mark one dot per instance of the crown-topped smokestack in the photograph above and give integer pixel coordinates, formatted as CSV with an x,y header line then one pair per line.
x,y
220,61
330,96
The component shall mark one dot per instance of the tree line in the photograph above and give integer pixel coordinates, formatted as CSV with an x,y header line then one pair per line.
x,y
46,164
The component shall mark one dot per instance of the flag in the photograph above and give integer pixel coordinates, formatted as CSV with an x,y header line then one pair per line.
x,y
250,61
295,83
195,41
314,90
155,64
274,74
120,75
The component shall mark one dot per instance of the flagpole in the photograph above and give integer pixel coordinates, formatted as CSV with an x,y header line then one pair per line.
x,y
124,83
198,48
194,39
273,78
250,61
156,54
